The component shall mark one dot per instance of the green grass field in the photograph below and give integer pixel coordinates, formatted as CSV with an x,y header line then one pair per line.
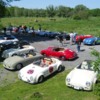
x,y
90,26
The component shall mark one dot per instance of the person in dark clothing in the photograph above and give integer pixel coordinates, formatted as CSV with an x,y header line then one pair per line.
x,y
60,38
78,44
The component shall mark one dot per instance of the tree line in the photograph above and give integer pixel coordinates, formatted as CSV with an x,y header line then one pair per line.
x,y
79,12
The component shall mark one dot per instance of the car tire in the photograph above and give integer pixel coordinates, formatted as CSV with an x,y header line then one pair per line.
x,y
31,51
19,66
44,54
59,68
62,58
40,79
14,55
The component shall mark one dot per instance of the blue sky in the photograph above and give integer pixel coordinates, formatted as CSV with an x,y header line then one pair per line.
x,y
45,3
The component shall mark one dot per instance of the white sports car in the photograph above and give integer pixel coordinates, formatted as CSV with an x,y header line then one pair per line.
x,y
82,77
37,71
18,51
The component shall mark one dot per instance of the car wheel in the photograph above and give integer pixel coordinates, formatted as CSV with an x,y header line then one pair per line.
x,y
62,58
19,66
31,51
40,79
44,54
14,55
59,68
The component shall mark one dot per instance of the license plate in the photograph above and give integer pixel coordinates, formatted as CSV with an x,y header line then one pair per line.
x,y
76,87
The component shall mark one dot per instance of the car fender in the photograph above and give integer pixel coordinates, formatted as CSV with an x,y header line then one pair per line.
x,y
37,77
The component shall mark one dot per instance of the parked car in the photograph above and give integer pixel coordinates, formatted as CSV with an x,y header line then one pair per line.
x,y
7,39
82,37
60,52
91,41
22,49
37,71
83,77
18,62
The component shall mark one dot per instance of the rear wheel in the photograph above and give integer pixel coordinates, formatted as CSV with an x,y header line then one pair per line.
x,y
40,79
60,68
44,54
14,55
19,66
31,51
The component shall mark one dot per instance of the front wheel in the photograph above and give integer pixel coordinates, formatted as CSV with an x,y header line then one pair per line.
x,y
40,79
19,66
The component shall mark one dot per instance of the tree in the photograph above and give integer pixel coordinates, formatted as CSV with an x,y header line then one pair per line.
x,y
3,4
81,12
50,11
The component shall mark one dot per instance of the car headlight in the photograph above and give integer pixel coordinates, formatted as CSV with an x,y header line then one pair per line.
x,y
88,84
68,79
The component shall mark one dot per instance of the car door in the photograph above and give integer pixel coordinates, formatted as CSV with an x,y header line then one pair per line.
x,y
49,69
54,53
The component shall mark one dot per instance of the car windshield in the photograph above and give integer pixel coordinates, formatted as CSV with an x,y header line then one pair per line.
x,y
43,62
87,65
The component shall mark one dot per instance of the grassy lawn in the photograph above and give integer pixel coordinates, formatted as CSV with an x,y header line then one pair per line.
x,y
90,26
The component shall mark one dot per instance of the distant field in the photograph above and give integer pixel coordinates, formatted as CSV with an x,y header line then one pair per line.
x,y
90,26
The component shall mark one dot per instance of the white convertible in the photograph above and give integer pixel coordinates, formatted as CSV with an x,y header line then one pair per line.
x,y
82,77
37,71
18,51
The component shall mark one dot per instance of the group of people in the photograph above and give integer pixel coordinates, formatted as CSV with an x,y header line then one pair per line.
x,y
72,37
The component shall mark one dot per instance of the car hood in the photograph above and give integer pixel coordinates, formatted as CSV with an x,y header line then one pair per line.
x,y
89,39
31,67
13,60
81,76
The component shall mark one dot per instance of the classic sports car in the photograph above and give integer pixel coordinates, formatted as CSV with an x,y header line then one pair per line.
x,y
60,52
82,37
37,71
6,39
18,51
83,77
18,62
16,44
92,41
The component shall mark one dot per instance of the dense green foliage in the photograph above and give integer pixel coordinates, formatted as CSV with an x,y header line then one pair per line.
x,y
79,12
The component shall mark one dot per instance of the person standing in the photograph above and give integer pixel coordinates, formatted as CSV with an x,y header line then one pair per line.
x,y
78,44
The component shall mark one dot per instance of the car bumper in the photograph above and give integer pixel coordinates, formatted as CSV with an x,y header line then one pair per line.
x,y
78,87
26,79
8,66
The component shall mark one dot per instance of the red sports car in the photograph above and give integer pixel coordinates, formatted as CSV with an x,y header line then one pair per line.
x,y
82,37
61,53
